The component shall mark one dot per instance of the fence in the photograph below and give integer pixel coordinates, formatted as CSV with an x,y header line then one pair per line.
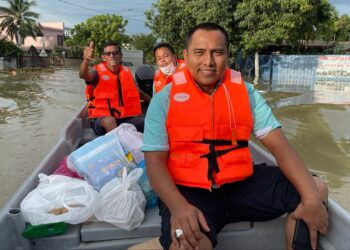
x,y
8,63
37,61
303,70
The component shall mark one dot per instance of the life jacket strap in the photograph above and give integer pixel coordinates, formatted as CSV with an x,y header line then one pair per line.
x,y
112,111
214,154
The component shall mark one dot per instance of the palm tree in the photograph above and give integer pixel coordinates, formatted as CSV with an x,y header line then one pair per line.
x,y
18,21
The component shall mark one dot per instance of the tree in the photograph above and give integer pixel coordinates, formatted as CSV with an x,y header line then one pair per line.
x,y
317,15
9,49
342,27
145,43
266,22
99,29
18,21
262,23
170,20
327,30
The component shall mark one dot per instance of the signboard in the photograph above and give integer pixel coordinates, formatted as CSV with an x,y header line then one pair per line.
x,y
333,73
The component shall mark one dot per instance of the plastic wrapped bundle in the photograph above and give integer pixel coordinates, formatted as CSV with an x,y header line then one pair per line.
x,y
100,160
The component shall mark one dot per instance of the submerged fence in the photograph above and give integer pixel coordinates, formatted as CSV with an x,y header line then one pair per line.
x,y
317,72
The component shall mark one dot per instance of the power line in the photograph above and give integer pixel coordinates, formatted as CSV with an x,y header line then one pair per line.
x,y
81,6
102,12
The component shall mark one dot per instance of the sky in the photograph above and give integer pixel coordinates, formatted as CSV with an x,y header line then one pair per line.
x,y
342,6
72,12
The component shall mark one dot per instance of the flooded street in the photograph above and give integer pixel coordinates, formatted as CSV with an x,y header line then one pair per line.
x,y
321,134
34,107
319,130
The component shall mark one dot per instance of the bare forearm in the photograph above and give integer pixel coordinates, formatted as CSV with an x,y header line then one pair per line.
x,y
161,180
84,69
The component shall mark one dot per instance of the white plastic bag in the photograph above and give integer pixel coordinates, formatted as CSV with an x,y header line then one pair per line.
x,y
59,198
130,139
100,160
122,202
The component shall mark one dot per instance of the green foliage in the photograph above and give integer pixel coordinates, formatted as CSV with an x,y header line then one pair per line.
x,y
267,22
252,25
74,52
18,21
314,23
145,43
9,49
170,20
342,28
99,29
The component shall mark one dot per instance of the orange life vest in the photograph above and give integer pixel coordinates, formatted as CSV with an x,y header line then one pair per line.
x,y
114,95
160,80
208,134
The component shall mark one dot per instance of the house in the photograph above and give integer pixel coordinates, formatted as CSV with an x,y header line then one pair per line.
x,y
53,36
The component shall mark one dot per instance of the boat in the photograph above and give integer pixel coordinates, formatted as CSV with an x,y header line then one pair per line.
x,y
101,235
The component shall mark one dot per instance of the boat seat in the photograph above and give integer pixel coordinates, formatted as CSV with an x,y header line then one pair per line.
x,y
101,231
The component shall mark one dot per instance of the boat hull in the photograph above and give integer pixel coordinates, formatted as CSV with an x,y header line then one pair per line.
x,y
101,235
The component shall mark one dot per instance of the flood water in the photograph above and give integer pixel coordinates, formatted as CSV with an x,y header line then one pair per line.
x,y
317,125
34,107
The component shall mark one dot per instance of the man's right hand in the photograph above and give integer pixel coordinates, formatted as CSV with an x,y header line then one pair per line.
x,y
89,51
190,220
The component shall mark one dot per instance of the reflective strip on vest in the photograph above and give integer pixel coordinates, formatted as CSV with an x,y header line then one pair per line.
x,y
236,77
179,78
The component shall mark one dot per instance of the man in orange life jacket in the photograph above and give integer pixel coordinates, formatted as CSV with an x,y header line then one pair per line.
x,y
112,95
165,57
197,158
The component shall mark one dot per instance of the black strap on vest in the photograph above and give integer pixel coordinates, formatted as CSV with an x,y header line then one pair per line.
x,y
213,154
120,93
112,111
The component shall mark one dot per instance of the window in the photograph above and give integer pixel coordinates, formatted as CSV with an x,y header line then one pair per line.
x,y
59,40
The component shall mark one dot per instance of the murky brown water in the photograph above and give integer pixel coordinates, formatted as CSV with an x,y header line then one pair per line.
x,y
33,109
319,130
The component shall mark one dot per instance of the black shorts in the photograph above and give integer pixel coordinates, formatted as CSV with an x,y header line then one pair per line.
x,y
265,195
138,121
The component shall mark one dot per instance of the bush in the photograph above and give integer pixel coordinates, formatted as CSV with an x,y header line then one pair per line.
x,y
9,49
74,52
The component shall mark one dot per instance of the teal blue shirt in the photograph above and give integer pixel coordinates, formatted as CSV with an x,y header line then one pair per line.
x,y
155,133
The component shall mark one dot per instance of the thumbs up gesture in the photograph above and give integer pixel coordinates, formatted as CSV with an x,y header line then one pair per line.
x,y
89,51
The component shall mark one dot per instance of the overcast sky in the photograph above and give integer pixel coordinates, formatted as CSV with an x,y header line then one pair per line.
x,y
72,12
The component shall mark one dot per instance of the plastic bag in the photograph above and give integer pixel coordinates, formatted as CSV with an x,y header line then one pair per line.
x,y
59,198
122,202
64,170
151,196
130,139
100,160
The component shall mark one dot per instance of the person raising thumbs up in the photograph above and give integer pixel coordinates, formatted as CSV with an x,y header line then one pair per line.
x,y
89,51
112,95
